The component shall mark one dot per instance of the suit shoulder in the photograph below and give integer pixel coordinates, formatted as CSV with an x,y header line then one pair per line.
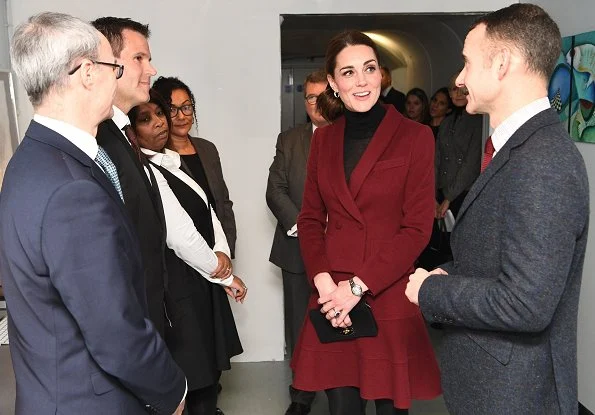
x,y
295,132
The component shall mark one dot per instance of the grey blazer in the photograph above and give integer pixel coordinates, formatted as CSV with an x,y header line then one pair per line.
x,y
458,154
209,157
285,189
509,305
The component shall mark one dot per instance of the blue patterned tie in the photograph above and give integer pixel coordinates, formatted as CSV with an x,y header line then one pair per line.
x,y
109,169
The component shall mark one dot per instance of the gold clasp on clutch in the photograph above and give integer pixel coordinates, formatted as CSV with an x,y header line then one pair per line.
x,y
347,331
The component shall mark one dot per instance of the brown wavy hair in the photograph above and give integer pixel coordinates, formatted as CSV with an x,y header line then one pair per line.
x,y
328,105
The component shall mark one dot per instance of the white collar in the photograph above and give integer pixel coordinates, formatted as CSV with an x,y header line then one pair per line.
x,y
168,159
119,118
510,125
80,138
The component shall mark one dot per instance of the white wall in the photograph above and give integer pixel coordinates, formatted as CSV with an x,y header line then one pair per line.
x,y
4,51
574,20
233,65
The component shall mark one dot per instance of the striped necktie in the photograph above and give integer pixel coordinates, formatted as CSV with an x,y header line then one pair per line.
x,y
109,169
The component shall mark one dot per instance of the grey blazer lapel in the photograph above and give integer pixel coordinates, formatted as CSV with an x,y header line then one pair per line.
x,y
306,135
542,119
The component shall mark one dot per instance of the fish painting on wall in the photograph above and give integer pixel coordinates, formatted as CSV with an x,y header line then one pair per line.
x,y
572,86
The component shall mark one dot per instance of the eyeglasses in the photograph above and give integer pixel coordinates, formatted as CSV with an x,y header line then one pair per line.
x,y
311,99
186,110
118,68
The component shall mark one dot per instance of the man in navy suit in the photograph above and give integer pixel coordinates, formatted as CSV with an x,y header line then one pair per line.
x,y
80,338
508,301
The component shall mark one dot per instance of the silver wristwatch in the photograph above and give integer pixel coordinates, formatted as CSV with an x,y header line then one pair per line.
x,y
356,289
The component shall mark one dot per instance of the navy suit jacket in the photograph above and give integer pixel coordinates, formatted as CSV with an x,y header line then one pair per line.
x,y
80,338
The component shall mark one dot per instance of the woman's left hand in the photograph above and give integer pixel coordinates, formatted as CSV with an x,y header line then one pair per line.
x,y
237,290
338,304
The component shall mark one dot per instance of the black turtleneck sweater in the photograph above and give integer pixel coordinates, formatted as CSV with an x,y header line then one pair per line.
x,y
359,130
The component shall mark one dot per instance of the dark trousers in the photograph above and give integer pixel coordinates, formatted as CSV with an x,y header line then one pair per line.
x,y
347,401
202,401
296,293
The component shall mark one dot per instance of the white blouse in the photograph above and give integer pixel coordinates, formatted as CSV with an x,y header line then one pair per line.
x,y
182,236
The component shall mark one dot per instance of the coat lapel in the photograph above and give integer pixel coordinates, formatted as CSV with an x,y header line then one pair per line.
x,y
306,138
380,141
337,170
540,120
48,136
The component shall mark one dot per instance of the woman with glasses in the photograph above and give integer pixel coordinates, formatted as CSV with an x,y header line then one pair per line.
x,y
201,333
200,158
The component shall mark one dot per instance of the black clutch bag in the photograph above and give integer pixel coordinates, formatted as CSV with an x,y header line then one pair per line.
x,y
362,319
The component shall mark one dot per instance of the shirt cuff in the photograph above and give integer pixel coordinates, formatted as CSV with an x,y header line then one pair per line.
x,y
185,391
293,231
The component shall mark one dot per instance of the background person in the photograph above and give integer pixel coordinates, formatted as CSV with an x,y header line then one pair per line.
x,y
285,188
417,106
389,94
440,106
458,153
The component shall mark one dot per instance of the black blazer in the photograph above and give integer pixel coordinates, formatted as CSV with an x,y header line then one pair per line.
x,y
396,98
143,203
285,189
209,157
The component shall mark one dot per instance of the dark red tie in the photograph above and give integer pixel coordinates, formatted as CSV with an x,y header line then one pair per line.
x,y
131,135
488,154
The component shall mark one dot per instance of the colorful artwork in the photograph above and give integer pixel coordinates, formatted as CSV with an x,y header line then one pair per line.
x,y
572,86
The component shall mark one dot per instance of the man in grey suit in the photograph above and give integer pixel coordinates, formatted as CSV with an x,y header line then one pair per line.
x,y
81,339
285,187
509,299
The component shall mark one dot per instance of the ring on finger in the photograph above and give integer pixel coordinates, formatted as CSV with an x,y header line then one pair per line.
x,y
337,313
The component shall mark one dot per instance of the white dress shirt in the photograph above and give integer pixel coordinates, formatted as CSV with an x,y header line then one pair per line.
x,y
81,139
182,236
509,126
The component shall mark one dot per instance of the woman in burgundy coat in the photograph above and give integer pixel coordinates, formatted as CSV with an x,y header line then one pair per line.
x,y
366,215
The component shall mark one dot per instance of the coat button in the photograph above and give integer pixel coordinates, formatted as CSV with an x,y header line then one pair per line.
x,y
338,225
360,226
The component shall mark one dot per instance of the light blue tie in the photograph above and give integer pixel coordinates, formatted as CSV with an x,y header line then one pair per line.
x,y
109,169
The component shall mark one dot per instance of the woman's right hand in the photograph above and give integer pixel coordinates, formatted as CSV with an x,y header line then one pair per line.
x,y
324,284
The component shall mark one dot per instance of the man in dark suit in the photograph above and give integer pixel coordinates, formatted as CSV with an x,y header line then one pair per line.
x,y
81,341
509,300
129,41
285,187
390,95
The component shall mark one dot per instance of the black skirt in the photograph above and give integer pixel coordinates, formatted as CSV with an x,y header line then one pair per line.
x,y
202,336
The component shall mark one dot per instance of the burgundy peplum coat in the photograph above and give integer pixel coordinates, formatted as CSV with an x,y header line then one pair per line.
x,y
377,226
